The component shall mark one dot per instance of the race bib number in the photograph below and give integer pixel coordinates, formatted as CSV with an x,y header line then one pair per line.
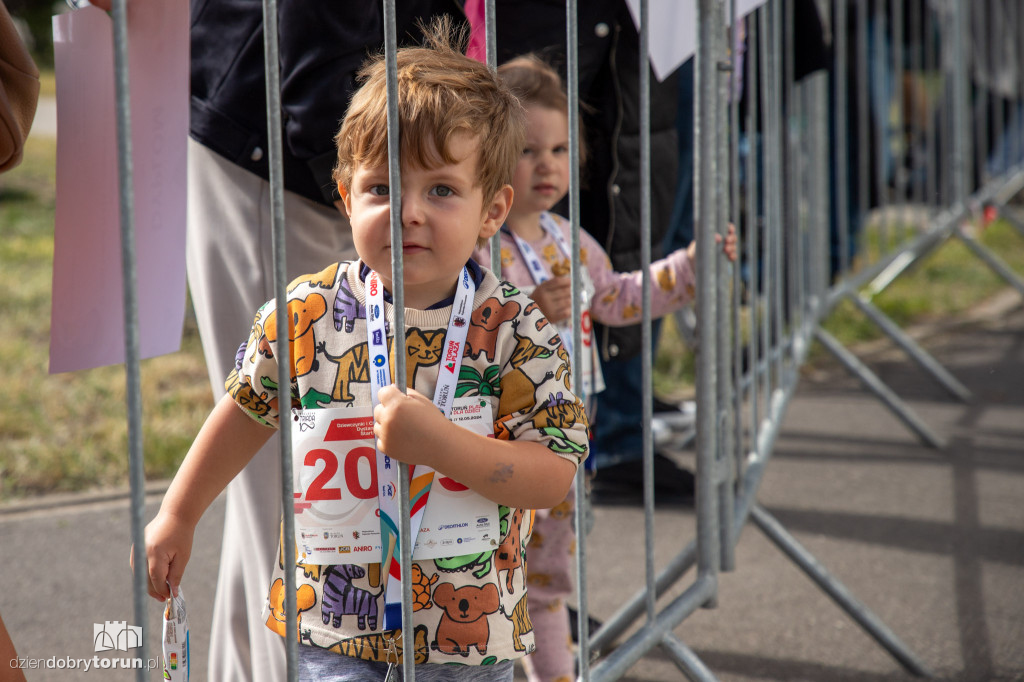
x,y
335,486
336,503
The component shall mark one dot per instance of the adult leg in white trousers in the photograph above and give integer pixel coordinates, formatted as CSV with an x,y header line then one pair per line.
x,y
231,274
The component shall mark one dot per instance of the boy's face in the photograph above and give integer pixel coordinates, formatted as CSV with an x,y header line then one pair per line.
x,y
542,174
444,212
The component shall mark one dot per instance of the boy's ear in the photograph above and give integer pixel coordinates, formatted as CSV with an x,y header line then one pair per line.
x,y
343,191
496,212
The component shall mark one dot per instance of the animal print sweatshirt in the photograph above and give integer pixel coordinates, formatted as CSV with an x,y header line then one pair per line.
x,y
467,609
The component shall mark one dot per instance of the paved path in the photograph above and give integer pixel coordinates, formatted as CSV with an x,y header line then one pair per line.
x,y
45,122
931,540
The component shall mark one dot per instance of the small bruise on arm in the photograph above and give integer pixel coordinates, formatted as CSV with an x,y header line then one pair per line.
x,y
502,473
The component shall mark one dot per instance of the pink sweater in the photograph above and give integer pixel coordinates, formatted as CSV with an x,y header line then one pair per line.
x,y
617,295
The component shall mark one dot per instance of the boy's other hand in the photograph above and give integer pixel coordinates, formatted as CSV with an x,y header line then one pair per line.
x,y
168,548
406,425
554,296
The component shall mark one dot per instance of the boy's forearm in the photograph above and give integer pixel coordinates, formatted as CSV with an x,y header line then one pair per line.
x,y
523,474
227,442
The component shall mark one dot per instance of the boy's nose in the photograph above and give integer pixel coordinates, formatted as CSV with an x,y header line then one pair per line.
x,y
412,210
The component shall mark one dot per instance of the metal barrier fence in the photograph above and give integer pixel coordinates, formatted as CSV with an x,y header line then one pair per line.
x,y
838,179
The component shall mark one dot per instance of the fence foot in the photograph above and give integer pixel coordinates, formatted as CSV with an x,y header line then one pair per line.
x,y
864,617
687,661
878,387
913,349
992,261
1014,217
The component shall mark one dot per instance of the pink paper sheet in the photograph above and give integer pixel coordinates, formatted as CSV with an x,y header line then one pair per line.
x,y
87,318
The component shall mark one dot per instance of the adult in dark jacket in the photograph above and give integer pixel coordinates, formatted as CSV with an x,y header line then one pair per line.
x,y
230,262
609,75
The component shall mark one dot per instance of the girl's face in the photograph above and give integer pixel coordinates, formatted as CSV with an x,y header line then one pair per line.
x,y
542,174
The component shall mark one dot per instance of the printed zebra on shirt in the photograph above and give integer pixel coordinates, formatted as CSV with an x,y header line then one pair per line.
x,y
342,598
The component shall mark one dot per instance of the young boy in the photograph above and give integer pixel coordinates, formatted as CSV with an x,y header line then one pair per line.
x,y
461,134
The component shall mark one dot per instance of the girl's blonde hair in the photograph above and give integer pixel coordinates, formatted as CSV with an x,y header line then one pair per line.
x,y
441,94
536,83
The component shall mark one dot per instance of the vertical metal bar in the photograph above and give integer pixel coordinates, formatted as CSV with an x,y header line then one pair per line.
x,y
1018,113
776,138
792,132
724,467
841,133
819,223
999,101
276,177
899,160
914,110
645,327
955,29
979,96
490,22
708,555
129,278
770,176
930,48
883,144
572,90
862,76
753,224
398,295
737,452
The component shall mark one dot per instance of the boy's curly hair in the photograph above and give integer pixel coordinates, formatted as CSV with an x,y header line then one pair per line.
x,y
441,93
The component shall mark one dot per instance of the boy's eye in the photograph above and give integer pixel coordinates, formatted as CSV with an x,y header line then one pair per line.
x,y
561,149
443,191
379,190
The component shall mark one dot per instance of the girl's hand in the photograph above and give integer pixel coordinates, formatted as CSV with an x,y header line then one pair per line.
x,y
168,548
554,296
408,427
729,245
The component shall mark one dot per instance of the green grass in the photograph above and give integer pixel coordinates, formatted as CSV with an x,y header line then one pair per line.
x,y
68,431
947,282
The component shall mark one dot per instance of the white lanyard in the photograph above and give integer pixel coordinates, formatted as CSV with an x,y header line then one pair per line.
x,y
537,271
533,263
592,382
444,395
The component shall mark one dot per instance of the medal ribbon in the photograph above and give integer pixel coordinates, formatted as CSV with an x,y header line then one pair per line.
x,y
444,396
